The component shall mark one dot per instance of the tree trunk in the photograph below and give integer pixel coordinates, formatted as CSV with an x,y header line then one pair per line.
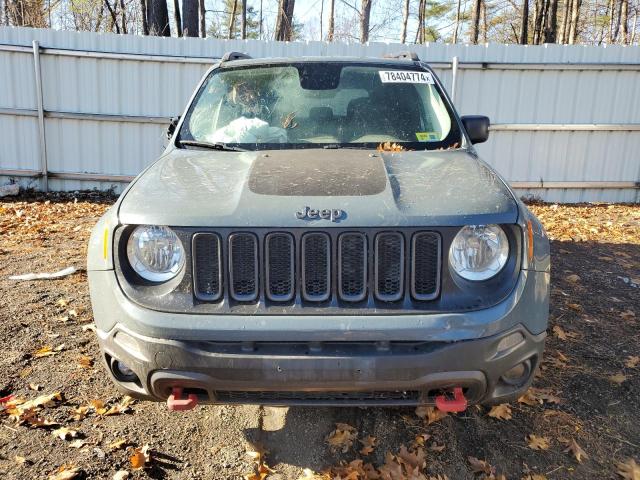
x,y
457,26
616,25
232,19
284,23
243,20
610,12
475,22
330,33
524,24
483,20
143,11
365,17
114,16
538,20
420,29
564,26
177,17
624,22
158,18
202,17
321,16
551,27
405,20
190,18
575,18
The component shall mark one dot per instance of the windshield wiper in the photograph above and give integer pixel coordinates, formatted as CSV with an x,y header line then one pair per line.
x,y
335,146
210,145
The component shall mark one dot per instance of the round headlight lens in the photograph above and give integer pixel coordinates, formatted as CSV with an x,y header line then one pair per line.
x,y
155,253
479,252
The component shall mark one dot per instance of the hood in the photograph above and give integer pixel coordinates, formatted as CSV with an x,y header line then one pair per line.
x,y
266,189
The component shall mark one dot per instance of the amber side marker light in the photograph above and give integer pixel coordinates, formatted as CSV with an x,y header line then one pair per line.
x,y
530,242
105,243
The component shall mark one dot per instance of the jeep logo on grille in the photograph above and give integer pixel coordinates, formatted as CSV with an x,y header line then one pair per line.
x,y
307,213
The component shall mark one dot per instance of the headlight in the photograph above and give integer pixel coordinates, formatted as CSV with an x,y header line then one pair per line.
x,y
155,253
479,252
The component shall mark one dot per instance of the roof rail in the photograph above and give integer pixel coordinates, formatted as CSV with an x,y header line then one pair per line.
x,y
230,56
403,56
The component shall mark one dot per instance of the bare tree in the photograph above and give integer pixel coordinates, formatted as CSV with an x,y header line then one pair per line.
x,y
284,21
420,29
405,20
202,16
551,24
243,20
177,17
232,19
190,18
143,15
332,25
624,21
573,23
475,21
524,24
564,26
365,18
158,18
483,21
457,25
27,13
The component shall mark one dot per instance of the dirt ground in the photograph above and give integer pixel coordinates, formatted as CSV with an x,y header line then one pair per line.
x,y
588,390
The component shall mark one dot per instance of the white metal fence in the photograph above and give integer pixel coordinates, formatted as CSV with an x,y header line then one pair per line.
x,y
84,110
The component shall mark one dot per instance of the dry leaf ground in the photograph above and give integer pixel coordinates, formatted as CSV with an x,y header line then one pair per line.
x,y
599,312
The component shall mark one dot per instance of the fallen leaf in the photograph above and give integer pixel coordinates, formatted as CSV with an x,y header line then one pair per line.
x,y
430,414
35,387
80,412
572,278
501,412
534,476
89,328
73,313
65,473
78,443
140,457
64,433
45,351
574,306
481,466
85,361
118,444
629,469
436,448
368,444
416,460
560,333
632,361
341,439
537,443
530,398
628,315
20,460
62,302
121,475
575,449
618,378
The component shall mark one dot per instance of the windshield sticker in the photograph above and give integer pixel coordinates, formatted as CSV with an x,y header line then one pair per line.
x,y
405,76
427,136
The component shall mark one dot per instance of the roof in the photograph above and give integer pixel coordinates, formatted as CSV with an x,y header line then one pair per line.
x,y
303,59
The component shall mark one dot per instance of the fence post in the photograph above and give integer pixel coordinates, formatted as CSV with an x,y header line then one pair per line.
x,y
44,168
454,78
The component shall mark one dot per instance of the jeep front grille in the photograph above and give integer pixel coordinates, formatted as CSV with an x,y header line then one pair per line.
x,y
207,274
279,267
341,269
316,266
243,267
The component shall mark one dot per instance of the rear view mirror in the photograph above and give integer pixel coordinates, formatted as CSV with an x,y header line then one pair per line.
x,y
172,126
477,127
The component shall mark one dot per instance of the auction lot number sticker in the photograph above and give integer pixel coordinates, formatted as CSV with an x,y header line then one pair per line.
x,y
405,76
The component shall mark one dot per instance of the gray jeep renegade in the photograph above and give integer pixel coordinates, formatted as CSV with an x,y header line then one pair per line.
x,y
321,231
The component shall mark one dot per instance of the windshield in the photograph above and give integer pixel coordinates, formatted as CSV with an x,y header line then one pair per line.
x,y
311,105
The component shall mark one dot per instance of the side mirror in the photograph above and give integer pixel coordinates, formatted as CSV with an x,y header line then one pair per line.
x,y
477,127
172,127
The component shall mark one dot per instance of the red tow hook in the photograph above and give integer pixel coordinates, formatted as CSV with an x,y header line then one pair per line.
x,y
177,404
456,404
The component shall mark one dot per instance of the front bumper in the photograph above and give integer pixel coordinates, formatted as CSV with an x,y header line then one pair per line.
x,y
358,373
323,360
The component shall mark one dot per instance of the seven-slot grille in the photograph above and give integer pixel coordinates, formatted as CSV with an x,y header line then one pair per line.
x,y
362,265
